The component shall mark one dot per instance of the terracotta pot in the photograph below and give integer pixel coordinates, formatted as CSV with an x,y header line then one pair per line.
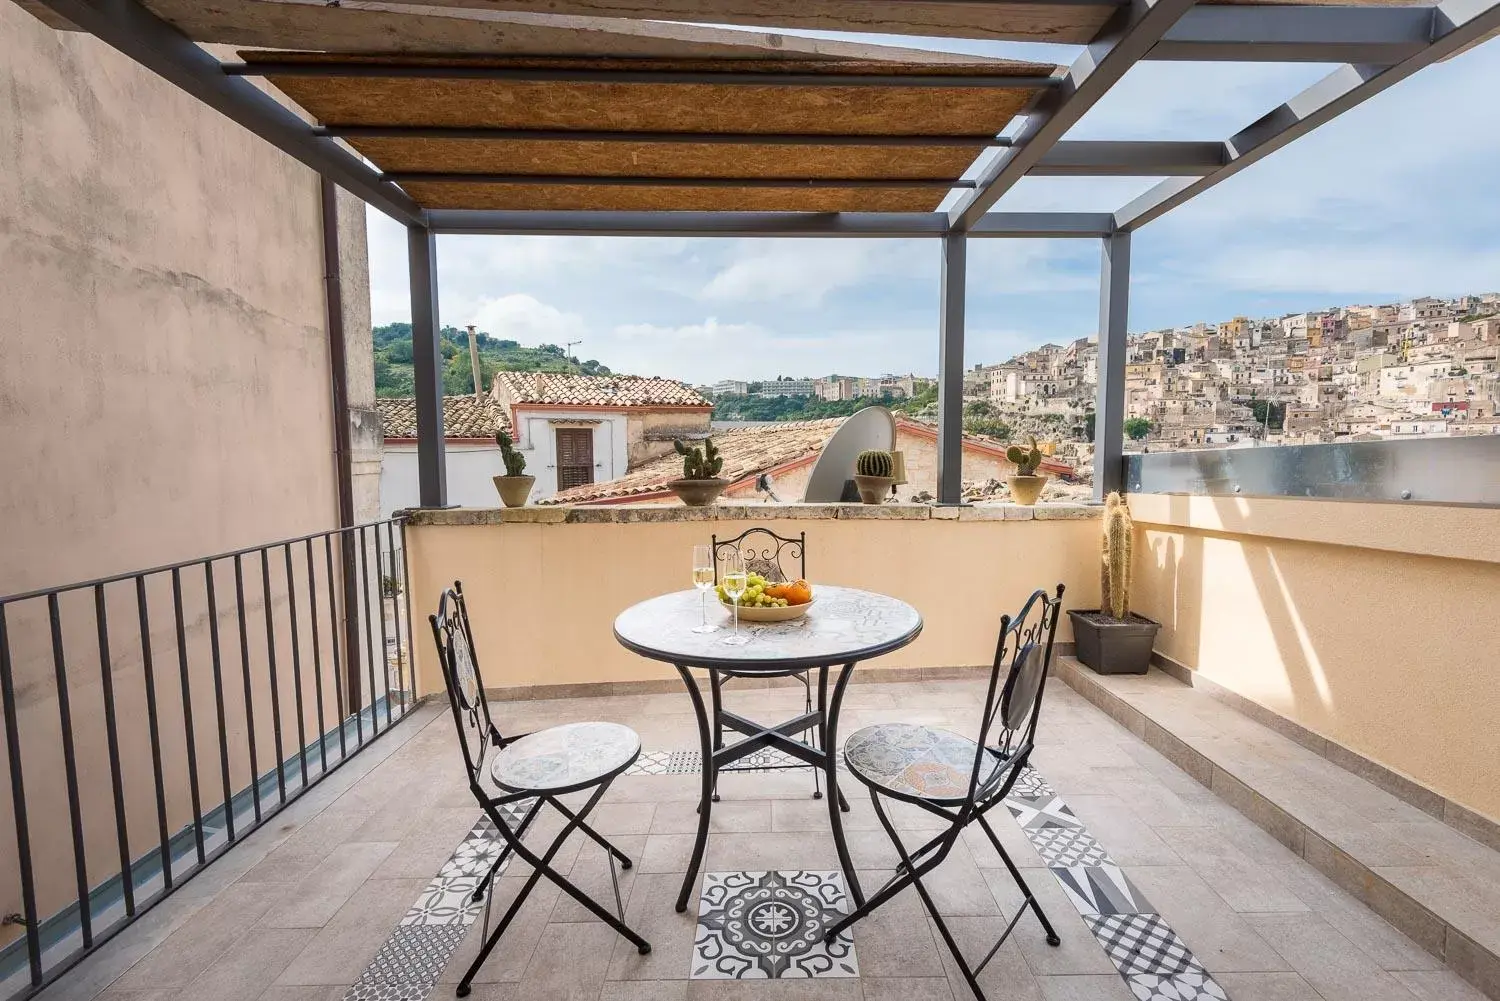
x,y
1026,489
514,490
872,489
698,493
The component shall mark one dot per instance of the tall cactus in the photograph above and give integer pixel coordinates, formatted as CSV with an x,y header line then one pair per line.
x,y
1115,566
515,462
699,463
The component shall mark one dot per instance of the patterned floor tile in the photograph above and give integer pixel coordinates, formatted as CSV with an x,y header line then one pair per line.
x,y
1100,889
1067,846
408,965
770,925
1141,943
1195,985
1041,811
445,901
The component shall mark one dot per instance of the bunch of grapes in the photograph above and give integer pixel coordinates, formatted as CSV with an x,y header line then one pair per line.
x,y
755,594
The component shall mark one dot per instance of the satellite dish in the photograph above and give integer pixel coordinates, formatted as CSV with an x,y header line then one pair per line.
x,y
872,427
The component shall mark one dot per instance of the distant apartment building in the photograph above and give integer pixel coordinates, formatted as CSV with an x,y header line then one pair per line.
x,y
730,387
788,387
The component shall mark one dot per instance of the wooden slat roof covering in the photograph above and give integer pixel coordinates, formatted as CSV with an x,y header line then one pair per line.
x,y
921,174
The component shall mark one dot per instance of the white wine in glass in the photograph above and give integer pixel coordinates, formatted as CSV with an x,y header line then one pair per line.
x,y
736,580
703,579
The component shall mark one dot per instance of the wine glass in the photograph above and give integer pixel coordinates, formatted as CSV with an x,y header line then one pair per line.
x,y
736,580
703,579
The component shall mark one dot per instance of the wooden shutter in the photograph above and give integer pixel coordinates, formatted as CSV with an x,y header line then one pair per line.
x,y
575,457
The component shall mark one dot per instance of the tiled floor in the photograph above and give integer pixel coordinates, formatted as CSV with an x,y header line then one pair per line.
x,y
303,908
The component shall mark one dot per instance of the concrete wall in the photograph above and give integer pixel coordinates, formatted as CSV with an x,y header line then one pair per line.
x,y
165,394
1373,625
471,472
544,591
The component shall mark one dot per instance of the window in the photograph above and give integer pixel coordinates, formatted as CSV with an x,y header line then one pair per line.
x,y
575,457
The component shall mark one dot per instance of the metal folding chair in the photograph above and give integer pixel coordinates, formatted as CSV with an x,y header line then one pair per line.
x,y
959,779
771,556
531,770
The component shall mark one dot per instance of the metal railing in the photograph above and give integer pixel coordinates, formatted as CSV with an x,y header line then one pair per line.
x,y
104,740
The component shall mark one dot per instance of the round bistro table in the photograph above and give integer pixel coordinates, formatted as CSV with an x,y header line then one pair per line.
x,y
843,627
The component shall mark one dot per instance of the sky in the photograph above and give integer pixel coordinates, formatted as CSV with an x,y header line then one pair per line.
x,y
1399,197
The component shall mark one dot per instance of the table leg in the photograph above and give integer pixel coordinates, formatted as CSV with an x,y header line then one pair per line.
x,y
710,779
829,731
715,683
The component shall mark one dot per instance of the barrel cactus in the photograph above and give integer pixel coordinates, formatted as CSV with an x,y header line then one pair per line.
x,y
1115,566
874,462
1026,459
515,462
699,463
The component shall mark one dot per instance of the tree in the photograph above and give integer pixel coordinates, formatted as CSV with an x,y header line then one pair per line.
x,y
1088,426
1137,428
978,408
988,426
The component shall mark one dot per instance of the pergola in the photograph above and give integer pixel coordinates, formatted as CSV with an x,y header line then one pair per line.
x,y
484,117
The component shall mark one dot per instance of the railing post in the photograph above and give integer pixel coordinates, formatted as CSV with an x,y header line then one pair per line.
x,y
951,371
427,366
1109,405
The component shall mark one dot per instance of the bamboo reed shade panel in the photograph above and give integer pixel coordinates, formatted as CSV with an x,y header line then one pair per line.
x,y
590,197
658,159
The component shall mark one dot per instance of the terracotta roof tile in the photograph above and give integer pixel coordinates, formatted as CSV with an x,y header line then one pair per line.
x,y
558,389
746,452
463,417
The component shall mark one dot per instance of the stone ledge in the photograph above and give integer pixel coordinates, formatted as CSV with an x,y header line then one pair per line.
x,y
1444,925
634,514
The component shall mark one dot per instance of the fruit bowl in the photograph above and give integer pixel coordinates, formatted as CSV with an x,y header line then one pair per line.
x,y
775,613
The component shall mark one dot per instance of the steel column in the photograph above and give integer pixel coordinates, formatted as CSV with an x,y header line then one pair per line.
x,y
1109,404
951,371
427,367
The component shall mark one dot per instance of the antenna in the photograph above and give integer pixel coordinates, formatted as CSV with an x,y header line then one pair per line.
x,y
872,427
568,350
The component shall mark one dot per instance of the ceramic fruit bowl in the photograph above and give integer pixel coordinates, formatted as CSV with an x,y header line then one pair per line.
x,y
771,613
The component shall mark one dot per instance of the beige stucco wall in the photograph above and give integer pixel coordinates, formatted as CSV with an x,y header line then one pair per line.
x,y
164,394
543,595
1371,624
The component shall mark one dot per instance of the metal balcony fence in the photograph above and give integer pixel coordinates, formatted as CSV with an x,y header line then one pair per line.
x,y
154,719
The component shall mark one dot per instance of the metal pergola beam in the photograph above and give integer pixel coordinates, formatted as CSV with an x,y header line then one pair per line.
x,y
1369,35
1043,225
389,70
1131,159
648,181
616,136
127,26
1456,24
856,225
1128,36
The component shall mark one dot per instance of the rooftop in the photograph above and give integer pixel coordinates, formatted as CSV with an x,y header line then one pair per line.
x,y
613,391
463,417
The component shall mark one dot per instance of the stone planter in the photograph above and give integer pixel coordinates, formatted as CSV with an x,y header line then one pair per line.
x,y
1109,646
873,489
698,493
1026,489
514,490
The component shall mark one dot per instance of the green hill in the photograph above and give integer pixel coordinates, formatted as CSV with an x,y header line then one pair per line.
x,y
393,374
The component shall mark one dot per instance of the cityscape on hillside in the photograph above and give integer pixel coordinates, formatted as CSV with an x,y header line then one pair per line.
x,y
1427,367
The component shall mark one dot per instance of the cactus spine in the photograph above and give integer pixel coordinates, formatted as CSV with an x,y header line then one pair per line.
x,y
699,463
515,462
1026,459
1115,567
874,462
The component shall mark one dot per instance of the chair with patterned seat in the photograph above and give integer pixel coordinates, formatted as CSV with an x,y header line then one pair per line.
x,y
531,770
958,779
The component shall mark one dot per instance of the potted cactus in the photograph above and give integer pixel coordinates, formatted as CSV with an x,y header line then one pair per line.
x,y
700,485
1113,639
515,486
874,474
1025,485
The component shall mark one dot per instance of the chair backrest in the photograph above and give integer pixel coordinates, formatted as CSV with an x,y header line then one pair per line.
x,y
766,553
1007,731
477,732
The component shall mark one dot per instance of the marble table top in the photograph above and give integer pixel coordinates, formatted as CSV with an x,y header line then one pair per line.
x,y
844,625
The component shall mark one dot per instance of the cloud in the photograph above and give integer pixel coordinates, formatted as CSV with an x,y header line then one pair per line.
x,y
520,317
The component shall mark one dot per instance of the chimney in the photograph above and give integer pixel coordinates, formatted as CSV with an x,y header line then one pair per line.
x,y
474,366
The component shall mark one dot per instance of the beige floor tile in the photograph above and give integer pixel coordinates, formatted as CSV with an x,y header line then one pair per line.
x,y
200,941
590,873
241,974
1245,885
424,850
957,886
1077,951
1084,987
325,889
653,916
312,842
1329,962
1006,978
1012,838
644,990
905,988
812,815
831,989
724,817
1128,838
160,994
303,993
666,853
1438,985
342,948
610,819
766,851
1218,936
511,955
569,963
1267,987
894,940
1356,922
